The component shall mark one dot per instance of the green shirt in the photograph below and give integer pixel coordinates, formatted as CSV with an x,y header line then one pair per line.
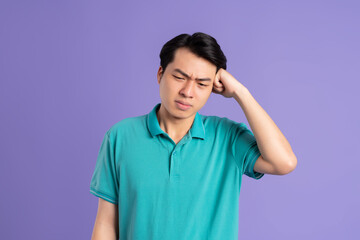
x,y
185,191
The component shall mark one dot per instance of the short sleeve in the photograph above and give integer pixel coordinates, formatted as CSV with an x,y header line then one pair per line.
x,y
245,150
104,181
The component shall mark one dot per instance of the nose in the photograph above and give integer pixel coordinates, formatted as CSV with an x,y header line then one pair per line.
x,y
187,89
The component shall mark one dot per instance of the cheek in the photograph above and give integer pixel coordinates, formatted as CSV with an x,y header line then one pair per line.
x,y
162,90
203,94
166,90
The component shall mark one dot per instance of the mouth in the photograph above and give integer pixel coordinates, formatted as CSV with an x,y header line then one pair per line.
x,y
182,105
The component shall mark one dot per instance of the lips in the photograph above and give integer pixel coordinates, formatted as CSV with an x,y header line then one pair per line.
x,y
184,103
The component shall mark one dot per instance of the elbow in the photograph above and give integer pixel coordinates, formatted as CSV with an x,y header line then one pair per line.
x,y
291,165
286,166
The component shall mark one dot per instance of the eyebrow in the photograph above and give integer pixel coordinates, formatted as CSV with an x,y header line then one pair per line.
x,y
200,79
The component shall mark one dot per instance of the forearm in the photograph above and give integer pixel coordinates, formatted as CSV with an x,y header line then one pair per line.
x,y
104,232
272,143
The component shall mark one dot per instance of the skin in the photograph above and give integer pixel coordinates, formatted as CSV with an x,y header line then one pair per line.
x,y
276,157
175,86
106,224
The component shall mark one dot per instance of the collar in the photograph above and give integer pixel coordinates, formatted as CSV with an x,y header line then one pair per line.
x,y
197,128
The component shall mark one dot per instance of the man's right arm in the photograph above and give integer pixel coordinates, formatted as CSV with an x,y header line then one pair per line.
x,y
106,224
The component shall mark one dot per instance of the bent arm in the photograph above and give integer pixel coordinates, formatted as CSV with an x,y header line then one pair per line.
x,y
277,156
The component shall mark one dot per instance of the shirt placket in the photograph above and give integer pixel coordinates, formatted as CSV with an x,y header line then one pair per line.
x,y
175,159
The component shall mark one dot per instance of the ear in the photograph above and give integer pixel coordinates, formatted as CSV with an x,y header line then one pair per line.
x,y
159,74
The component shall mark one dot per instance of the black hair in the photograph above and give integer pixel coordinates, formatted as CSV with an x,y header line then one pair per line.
x,y
201,44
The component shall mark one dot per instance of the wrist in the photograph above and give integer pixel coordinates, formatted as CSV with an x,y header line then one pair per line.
x,y
240,94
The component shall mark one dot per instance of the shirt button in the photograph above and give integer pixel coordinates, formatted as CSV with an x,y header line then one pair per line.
x,y
174,153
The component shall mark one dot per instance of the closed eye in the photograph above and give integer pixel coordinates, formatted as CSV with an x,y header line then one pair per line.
x,y
177,77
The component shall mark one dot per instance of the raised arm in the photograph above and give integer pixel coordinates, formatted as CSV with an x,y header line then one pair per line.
x,y
277,156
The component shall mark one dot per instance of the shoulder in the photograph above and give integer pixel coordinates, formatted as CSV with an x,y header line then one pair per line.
x,y
223,123
126,126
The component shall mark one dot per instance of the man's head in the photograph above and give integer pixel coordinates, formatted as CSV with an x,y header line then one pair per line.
x,y
189,64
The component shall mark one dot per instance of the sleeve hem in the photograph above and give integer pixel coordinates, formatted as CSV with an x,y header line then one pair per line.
x,y
103,196
254,156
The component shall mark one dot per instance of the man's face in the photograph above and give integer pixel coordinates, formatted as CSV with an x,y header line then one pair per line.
x,y
189,79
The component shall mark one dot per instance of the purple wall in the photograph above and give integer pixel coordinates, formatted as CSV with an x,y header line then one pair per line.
x,y
71,69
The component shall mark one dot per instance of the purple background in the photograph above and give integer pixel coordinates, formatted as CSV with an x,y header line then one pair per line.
x,y
71,69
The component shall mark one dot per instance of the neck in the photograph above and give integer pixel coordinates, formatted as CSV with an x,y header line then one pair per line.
x,y
174,127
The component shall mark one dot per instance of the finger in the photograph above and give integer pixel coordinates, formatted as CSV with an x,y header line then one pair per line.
x,y
216,91
218,84
219,90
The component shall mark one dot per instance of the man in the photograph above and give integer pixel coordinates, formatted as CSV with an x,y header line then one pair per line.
x,y
175,174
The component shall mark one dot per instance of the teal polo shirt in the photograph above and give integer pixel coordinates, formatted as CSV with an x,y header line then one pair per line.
x,y
168,191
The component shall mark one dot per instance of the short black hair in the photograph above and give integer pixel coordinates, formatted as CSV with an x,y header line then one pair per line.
x,y
201,44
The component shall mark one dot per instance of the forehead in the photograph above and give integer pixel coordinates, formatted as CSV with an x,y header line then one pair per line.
x,y
192,64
